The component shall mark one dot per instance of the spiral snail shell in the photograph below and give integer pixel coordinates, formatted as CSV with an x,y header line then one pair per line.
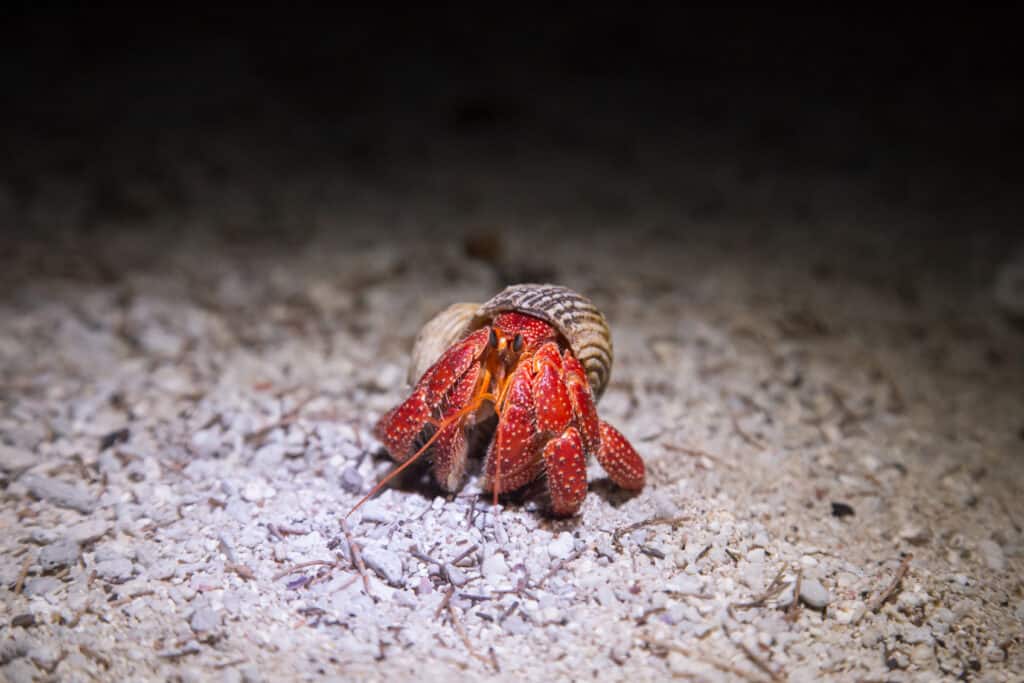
x,y
574,316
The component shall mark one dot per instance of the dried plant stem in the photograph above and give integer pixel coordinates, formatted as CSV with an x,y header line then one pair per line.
x,y
881,597
357,557
706,658
622,531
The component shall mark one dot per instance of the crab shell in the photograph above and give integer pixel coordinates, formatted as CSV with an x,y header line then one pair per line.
x,y
572,314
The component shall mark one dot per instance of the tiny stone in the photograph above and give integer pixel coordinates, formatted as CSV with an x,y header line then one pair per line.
x,y
45,657
515,626
163,569
562,546
24,620
60,554
405,598
385,563
44,536
494,567
115,571
685,583
813,593
918,635
351,480
19,671
606,596
204,620
206,442
847,611
377,511
254,492
993,555
678,664
915,535
41,585
14,461
59,493
456,576
89,531
239,510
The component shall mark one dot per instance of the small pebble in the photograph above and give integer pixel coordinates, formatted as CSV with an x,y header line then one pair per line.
x,y
89,531
115,571
24,621
351,480
606,596
385,563
41,585
993,555
14,461
19,671
60,493
456,576
204,620
62,553
515,626
813,593
494,568
562,546
45,656
920,634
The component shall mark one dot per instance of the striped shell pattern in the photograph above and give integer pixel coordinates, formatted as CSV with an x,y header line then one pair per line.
x,y
572,314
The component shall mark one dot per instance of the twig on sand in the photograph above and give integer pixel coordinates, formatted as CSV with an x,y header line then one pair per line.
x,y
472,549
128,598
357,557
622,531
444,602
881,597
241,569
793,612
461,630
286,419
559,564
750,654
774,588
703,657
22,575
744,434
303,565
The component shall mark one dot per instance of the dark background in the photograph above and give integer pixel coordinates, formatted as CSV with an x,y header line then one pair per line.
x,y
904,100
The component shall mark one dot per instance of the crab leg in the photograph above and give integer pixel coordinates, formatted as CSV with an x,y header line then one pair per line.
x,y
511,458
399,428
619,459
451,445
566,466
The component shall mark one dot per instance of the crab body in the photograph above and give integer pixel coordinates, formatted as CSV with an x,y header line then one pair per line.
x,y
524,370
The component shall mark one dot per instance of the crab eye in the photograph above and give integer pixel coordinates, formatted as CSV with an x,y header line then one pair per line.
x,y
517,343
493,339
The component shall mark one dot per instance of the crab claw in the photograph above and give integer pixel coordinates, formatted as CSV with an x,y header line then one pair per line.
x,y
444,391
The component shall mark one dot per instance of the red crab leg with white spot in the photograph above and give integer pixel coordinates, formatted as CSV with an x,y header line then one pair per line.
x,y
511,461
398,428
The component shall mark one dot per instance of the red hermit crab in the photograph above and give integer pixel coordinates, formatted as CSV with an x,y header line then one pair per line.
x,y
537,356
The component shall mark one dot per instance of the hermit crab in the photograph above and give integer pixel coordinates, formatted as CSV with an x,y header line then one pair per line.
x,y
537,357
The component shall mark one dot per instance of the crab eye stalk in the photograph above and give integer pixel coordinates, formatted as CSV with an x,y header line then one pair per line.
x,y
493,339
517,343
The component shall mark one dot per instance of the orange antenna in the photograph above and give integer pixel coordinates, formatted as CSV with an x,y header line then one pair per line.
x,y
442,425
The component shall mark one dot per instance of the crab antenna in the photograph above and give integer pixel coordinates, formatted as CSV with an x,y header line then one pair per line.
x,y
444,424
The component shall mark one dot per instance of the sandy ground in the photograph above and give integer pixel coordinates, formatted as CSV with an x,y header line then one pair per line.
x,y
811,363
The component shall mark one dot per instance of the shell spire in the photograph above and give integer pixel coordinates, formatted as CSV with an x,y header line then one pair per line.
x,y
575,317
